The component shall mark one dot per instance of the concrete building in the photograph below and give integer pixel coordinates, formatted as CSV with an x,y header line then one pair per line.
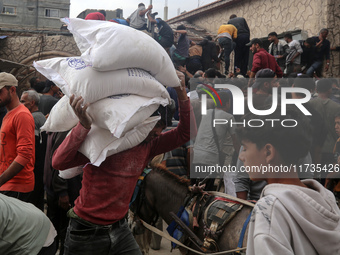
x,y
33,14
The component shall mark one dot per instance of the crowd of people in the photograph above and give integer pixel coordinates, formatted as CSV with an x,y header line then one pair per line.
x,y
294,214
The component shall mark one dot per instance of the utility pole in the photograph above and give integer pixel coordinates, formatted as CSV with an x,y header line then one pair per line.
x,y
166,10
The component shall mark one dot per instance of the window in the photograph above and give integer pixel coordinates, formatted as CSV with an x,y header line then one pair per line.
x,y
53,13
8,10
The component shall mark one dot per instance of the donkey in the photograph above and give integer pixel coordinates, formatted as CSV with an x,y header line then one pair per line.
x,y
165,192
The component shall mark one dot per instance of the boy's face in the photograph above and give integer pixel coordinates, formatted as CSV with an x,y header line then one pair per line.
x,y
252,156
337,125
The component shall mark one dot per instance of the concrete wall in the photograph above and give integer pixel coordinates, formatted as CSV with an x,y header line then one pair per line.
x,y
25,48
265,16
31,14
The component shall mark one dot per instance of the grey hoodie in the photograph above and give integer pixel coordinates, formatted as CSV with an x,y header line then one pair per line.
x,y
289,219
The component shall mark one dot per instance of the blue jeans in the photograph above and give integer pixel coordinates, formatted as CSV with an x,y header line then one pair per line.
x,y
315,66
83,238
228,45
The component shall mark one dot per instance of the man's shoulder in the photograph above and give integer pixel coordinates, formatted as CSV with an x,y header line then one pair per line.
x,y
261,52
38,116
23,111
263,209
223,114
47,98
282,42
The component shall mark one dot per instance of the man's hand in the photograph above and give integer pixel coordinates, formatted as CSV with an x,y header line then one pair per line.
x,y
182,69
150,7
181,92
64,202
80,110
326,67
319,44
181,77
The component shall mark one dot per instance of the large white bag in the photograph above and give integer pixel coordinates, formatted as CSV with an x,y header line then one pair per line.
x,y
73,76
61,118
100,143
110,46
118,114
122,113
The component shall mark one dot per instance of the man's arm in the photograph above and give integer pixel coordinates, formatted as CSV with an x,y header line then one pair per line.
x,y
242,194
152,20
142,13
184,70
24,145
181,31
10,172
181,92
299,51
67,155
286,51
256,63
235,33
279,72
186,128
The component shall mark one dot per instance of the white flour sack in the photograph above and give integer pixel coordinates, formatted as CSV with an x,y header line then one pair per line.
x,y
118,114
61,118
73,76
110,46
122,113
100,143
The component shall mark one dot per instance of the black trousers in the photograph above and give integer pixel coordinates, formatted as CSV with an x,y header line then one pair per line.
x,y
242,52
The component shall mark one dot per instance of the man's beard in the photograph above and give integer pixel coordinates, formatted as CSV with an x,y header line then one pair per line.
x,y
6,101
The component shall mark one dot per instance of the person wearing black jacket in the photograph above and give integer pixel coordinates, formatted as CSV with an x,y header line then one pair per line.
x,y
243,37
61,193
209,56
165,35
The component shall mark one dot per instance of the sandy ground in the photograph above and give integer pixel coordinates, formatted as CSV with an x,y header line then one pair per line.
x,y
165,246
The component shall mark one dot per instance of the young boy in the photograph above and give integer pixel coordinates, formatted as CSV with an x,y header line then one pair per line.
x,y
292,216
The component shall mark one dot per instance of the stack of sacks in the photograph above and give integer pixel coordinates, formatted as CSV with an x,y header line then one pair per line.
x,y
120,73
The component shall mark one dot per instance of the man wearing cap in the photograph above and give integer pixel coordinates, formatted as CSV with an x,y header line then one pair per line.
x,y
262,59
17,152
47,100
101,15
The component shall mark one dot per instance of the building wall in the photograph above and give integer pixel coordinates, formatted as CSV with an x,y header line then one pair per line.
x,y
32,14
24,48
264,16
